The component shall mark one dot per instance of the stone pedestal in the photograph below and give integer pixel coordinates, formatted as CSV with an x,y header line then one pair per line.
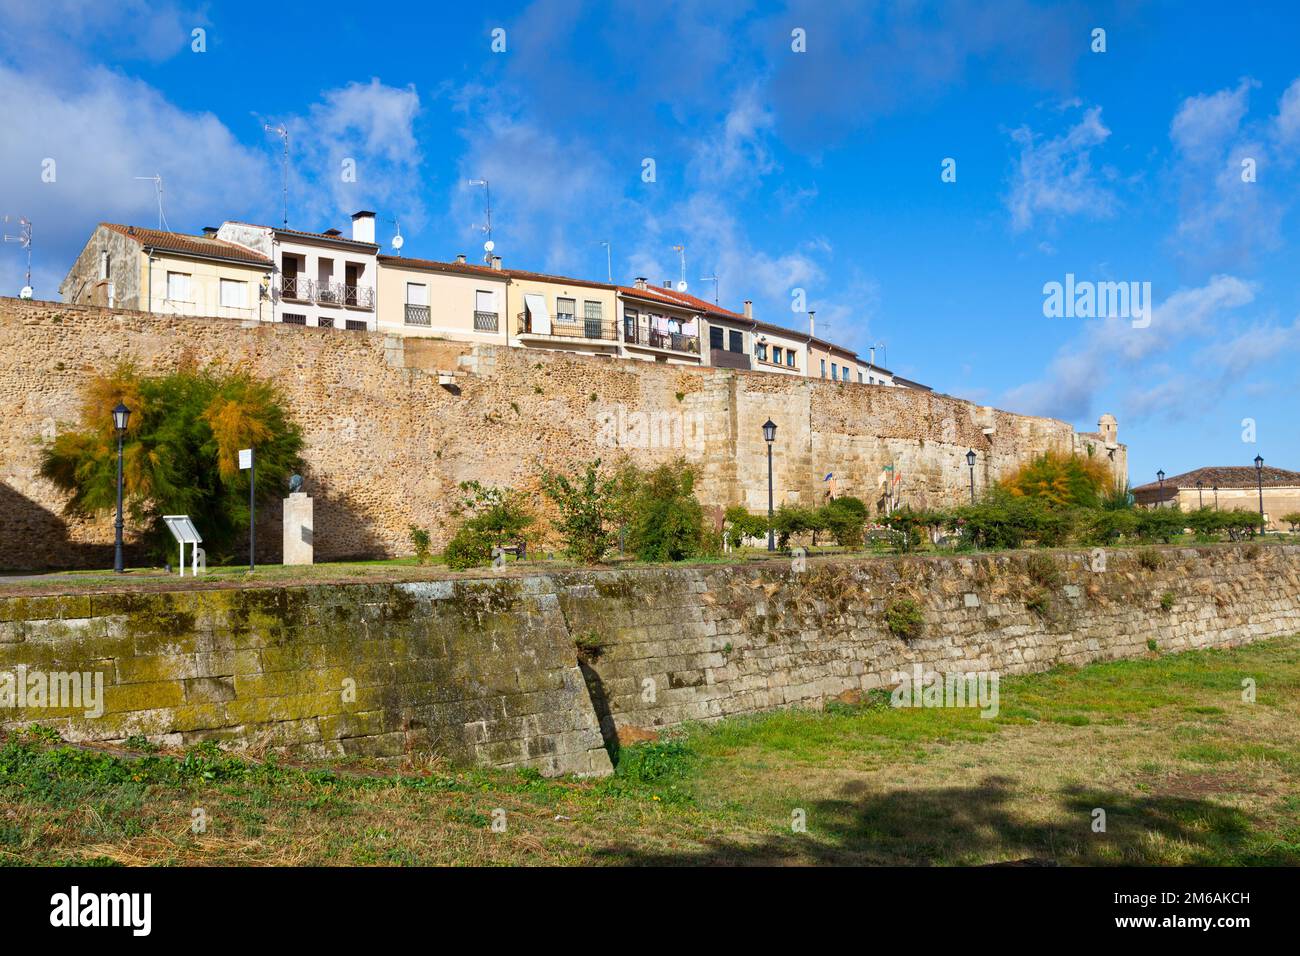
x,y
298,529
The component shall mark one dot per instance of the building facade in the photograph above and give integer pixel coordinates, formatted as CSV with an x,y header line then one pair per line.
x,y
1227,488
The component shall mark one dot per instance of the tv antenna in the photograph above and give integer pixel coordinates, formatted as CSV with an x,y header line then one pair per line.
x,y
489,245
157,181
714,280
609,262
24,239
283,132
681,284
398,241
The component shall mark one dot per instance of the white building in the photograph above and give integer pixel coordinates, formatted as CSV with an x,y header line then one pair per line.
x,y
322,279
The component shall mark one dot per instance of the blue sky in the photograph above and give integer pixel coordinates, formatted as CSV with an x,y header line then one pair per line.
x,y
778,170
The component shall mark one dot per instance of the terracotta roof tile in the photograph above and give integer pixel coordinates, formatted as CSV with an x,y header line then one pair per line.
x,y
189,245
1227,476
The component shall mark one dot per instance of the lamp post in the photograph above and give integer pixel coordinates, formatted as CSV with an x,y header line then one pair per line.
x,y
970,460
121,414
1215,489
1160,476
769,436
1200,495
1259,483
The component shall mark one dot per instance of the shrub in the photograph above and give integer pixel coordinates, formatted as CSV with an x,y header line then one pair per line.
x,y
1293,519
468,548
1043,571
1106,526
180,454
666,521
907,525
1160,524
1167,600
1039,601
420,542
588,509
1241,524
741,525
1060,479
1149,558
904,619
845,518
500,515
790,520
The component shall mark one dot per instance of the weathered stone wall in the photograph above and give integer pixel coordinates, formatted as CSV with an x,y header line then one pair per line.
x,y
386,444
488,670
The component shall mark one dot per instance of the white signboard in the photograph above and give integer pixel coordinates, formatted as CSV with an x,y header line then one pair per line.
x,y
245,459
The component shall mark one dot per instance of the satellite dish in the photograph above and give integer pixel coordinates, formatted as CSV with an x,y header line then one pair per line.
x,y
26,292
397,242
681,286
489,246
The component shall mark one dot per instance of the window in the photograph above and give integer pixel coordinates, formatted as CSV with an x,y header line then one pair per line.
x,y
823,368
234,294
776,354
835,372
844,374
789,358
178,286
293,318
715,337
736,341
592,311
417,293
871,380
417,304
760,350
485,311
103,265
565,310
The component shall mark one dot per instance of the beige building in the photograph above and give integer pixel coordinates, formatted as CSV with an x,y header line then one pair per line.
x,y
130,267
443,299
1230,488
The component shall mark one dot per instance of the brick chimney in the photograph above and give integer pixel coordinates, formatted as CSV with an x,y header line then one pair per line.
x,y
363,226
639,282
496,263
749,308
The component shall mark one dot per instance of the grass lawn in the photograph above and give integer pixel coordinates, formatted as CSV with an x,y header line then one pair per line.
x,y
1185,770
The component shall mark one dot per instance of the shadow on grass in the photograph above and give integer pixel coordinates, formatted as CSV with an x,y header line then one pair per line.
x,y
976,825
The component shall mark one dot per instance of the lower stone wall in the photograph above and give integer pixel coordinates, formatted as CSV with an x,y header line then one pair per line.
x,y
488,671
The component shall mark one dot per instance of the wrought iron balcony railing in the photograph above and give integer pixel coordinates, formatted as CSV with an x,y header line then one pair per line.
x,y
640,333
571,329
298,289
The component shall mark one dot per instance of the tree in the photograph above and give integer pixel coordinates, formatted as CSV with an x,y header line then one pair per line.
x,y
666,521
846,519
180,454
492,518
588,510
1059,479
1293,519
741,525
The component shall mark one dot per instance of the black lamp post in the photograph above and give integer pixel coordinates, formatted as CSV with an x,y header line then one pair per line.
x,y
769,436
1160,475
1200,495
1259,483
121,414
970,460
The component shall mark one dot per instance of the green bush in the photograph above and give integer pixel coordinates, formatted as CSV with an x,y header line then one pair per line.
x,y
1160,524
845,518
500,515
588,507
470,547
180,455
791,520
741,525
420,543
666,521
1106,526
904,619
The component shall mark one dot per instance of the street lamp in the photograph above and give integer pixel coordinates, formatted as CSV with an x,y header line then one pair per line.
x,y
1161,476
121,414
1215,489
769,436
970,460
1259,483
1200,495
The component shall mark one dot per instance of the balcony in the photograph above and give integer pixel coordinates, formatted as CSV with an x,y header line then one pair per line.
x,y
298,289
641,333
485,322
570,327
417,315
725,358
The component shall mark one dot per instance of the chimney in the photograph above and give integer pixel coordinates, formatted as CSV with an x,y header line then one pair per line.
x,y
812,326
210,231
749,308
460,259
640,282
668,283
872,353
363,226
496,263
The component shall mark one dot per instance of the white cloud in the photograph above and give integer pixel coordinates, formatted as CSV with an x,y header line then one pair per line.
x,y
1054,178
1204,123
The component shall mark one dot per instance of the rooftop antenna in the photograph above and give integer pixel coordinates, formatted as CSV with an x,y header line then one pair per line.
x,y
398,241
609,261
681,285
283,132
157,181
24,239
714,280
489,245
